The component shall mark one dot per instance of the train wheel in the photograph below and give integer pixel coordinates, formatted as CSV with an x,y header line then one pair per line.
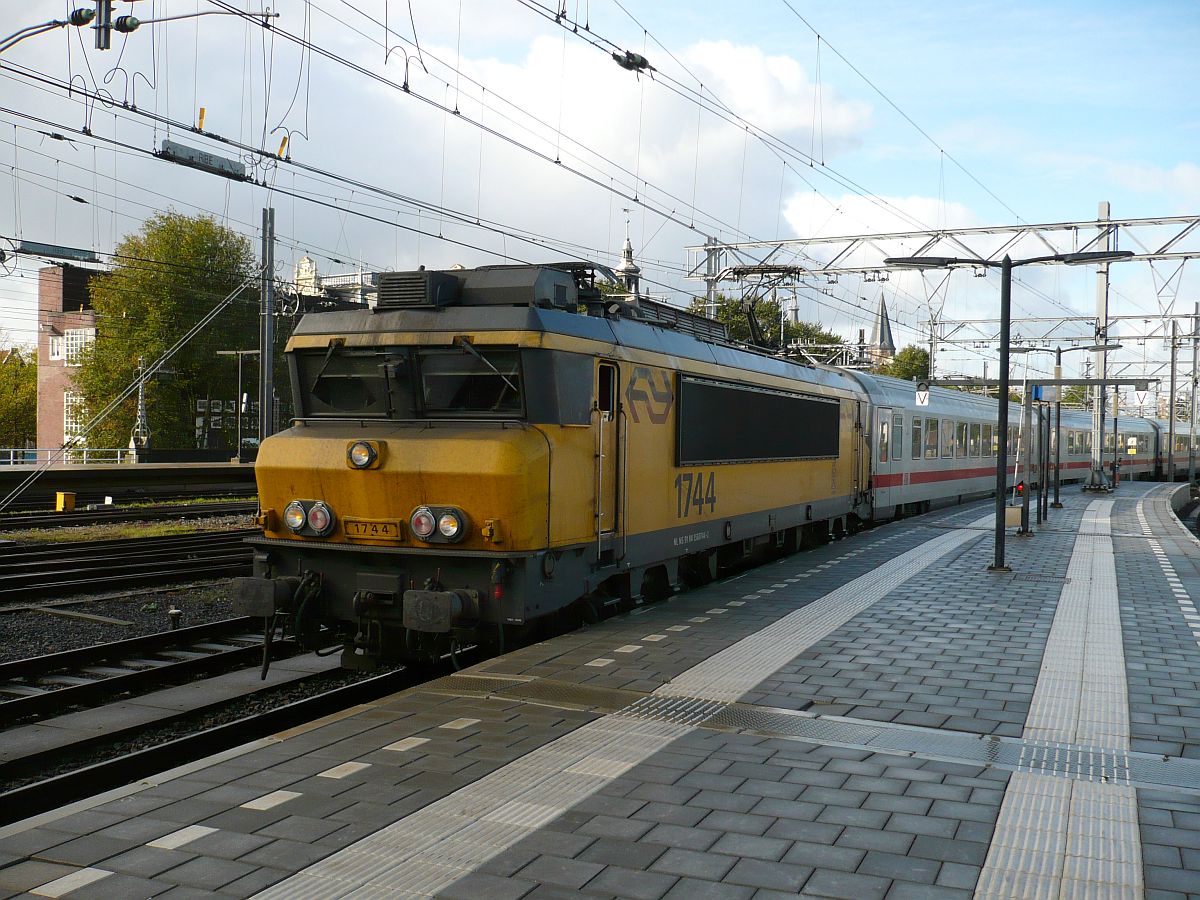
x,y
656,585
589,609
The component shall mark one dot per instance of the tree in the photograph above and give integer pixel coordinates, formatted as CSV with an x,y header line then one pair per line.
x,y
911,364
769,314
168,276
18,396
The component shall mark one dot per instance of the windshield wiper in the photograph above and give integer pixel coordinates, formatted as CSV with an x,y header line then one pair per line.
x,y
333,345
466,345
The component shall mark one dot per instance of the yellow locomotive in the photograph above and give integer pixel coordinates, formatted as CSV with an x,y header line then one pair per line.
x,y
486,447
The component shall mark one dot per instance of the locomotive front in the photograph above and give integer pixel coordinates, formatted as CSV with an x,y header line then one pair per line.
x,y
405,511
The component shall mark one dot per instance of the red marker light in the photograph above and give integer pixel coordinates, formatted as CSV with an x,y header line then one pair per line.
x,y
1020,489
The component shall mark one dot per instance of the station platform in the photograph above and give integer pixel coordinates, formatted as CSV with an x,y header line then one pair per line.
x,y
877,718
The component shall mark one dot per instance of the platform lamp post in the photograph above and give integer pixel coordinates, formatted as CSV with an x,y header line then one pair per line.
x,y
1058,352
1005,266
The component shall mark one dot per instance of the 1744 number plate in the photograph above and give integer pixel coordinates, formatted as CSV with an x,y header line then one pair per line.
x,y
372,529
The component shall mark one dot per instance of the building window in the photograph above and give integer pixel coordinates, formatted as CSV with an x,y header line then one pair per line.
x,y
56,346
74,340
74,419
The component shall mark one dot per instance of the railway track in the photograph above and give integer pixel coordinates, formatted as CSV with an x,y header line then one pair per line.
x,y
126,514
43,504
44,685
92,777
28,572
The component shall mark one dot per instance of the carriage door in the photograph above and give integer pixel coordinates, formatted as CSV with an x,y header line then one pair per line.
x,y
608,446
889,442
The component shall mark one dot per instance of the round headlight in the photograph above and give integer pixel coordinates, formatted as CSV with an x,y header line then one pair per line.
x,y
320,518
449,525
423,523
293,516
361,454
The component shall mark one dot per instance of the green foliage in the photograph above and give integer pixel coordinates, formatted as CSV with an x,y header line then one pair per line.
x,y
768,313
169,275
911,363
1075,395
18,396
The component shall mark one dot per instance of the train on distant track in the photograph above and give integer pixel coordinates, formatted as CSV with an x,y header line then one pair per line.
x,y
486,447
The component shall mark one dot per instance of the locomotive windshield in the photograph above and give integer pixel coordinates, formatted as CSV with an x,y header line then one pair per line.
x,y
471,381
405,383
341,382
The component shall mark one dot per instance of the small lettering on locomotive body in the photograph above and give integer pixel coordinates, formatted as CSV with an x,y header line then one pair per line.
x,y
691,538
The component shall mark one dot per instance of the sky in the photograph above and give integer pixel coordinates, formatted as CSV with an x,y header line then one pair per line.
x,y
765,120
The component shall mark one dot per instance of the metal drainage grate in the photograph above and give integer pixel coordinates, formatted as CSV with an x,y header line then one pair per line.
x,y
1056,579
571,696
1072,761
471,685
744,717
675,710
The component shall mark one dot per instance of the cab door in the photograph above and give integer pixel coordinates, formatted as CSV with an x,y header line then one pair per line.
x,y
608,460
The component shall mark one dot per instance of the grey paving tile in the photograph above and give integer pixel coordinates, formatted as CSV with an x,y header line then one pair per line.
x,y
772,875
832,883
824,856
572,874
31,873
628,854
632,883
691,863
207,873
903,890
695,889
88,849
681,836
750,846
493,887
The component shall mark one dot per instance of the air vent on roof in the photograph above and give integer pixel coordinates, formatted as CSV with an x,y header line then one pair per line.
x,y
417,289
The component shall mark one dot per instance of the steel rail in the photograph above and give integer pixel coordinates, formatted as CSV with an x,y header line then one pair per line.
x,y
132,665
40,796
125,514
28,572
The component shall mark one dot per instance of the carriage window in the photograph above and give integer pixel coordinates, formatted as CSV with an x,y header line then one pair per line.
x,y
916,437
947,439
931,438
989,449
960,440
468,380
898,436
975,447
883,439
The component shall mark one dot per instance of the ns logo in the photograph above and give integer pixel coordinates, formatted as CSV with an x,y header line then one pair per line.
x,y
650,394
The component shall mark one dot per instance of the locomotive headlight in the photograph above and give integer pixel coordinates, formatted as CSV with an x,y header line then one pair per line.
x,y
361,454
293,515
450,525
423,522
320,518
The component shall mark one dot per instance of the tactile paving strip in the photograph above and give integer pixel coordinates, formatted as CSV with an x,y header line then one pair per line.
x,y
1074,836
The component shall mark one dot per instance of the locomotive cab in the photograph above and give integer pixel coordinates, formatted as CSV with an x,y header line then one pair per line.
x,y
407,510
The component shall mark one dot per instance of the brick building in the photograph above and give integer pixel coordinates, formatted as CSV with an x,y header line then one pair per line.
x,y
66,324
